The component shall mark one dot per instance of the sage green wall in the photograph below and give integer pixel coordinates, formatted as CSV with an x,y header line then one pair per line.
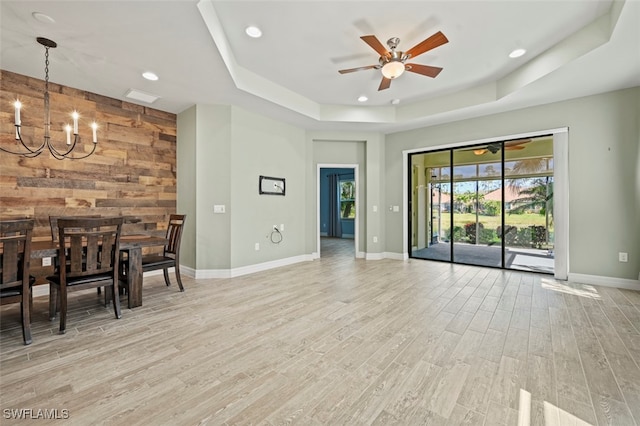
x,y
213,170
186,181
604,185
261,146
204,141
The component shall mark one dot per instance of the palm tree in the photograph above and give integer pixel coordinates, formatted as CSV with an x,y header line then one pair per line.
x,y
540,194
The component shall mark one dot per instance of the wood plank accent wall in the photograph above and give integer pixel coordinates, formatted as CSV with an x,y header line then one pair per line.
x,y
132,172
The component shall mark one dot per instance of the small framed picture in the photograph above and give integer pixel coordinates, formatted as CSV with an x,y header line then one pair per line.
x,y
271,185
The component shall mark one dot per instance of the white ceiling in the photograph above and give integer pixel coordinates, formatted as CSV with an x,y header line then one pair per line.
x,y
202,55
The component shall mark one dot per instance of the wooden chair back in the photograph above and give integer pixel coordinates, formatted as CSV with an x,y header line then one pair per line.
x,y
89,246
15,260
174,235
53,223
15,249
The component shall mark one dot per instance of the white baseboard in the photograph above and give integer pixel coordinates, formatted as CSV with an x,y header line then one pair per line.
x,y
251,269
605,281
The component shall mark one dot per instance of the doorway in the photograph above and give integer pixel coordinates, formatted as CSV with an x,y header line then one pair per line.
x,y
338,210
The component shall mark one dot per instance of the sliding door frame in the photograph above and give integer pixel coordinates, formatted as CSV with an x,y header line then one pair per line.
x,y
561,190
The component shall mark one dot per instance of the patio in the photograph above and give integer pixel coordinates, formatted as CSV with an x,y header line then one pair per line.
x,y
523,259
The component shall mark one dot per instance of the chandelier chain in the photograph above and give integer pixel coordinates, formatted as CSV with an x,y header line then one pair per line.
x,y
47,114
46,69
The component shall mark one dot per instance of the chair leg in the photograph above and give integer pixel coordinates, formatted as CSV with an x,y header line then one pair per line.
x,y
116,300
178,277
53,302
63,310
165,271
26,321
30,305
107,295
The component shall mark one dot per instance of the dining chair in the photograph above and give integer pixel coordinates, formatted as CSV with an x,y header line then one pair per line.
x,y
89,252
170,257
53,224
15,281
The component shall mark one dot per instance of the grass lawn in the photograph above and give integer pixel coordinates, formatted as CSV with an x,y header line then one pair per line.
x,y
492,222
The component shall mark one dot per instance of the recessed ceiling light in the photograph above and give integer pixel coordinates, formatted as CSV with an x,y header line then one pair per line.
x,y
517,53
363,98
41,17
150,76
395,101
254,32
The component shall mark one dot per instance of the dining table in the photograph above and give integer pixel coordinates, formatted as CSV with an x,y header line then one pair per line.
x,y
131,244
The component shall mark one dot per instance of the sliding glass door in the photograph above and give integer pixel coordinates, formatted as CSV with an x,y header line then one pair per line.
x,y
487,205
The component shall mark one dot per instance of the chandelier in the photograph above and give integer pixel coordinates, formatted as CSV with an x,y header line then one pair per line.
x,y
58,154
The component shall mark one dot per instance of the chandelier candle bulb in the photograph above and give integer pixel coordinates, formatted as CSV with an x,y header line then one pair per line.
x,y
75,122
94,127
68,129
18,105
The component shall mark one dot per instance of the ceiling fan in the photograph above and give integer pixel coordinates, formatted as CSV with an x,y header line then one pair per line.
x,y
392,62
494,147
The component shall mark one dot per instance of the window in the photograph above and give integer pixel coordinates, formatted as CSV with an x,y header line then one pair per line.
x,y
347,190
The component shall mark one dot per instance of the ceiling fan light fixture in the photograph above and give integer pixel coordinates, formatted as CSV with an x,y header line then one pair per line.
x,y
362,98
392,69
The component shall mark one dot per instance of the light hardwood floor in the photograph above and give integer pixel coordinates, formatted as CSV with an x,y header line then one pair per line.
x,y
336,341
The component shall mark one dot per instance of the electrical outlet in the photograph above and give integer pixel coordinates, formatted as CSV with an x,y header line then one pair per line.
x,y
375,239
623,257
281,227
257,246
46,261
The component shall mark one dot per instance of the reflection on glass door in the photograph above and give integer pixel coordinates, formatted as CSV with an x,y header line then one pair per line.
x,y
477,199
528,235
486,205
430,206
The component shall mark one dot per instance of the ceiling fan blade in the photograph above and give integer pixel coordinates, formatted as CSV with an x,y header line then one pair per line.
x,y
432,42
513,147
517,142
480,151
385,83
368,67
427,70
373,41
